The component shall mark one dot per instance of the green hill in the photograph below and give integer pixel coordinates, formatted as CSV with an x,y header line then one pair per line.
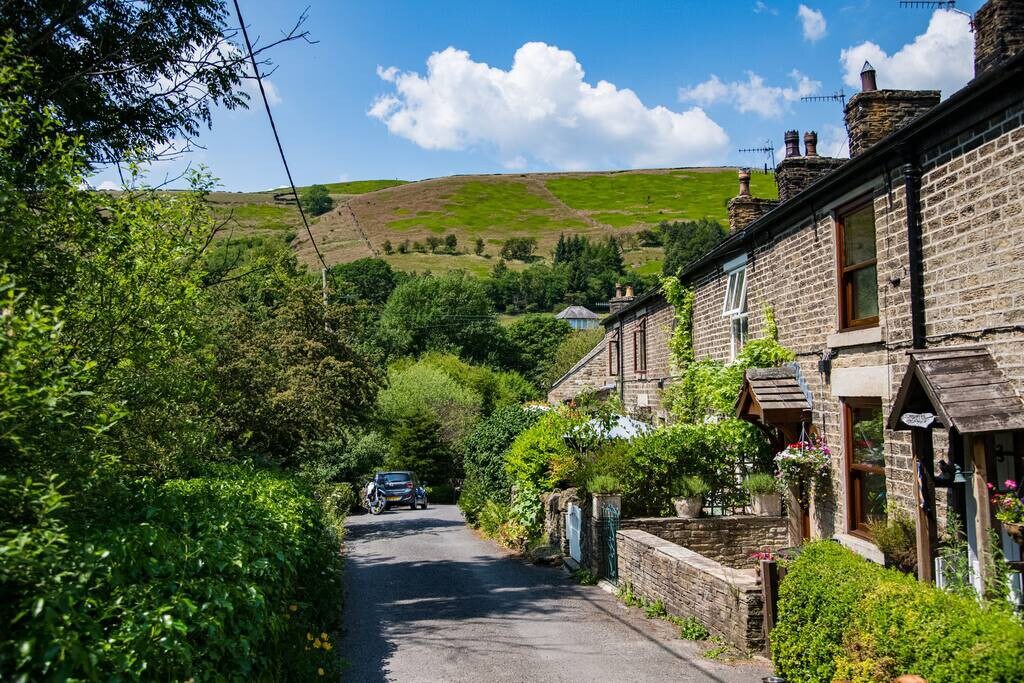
x,y
490,207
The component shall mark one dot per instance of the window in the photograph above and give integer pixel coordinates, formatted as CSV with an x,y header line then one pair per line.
x,y
613,356
858,272
735,308
640,347
865,460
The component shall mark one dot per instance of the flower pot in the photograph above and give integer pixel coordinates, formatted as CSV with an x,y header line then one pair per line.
x,y
603,504
766,504
688,508
1015,531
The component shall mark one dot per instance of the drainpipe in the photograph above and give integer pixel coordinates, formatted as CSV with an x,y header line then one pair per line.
x,y
915,264
622,366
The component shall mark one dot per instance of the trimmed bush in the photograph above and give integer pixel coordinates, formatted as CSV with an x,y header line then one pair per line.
x,y
844,618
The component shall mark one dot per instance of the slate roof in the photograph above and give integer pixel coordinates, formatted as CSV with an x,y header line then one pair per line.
x,y
577,313
963,386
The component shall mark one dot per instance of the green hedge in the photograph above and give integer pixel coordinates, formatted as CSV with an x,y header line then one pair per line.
x,y
217,578
844,618
484,462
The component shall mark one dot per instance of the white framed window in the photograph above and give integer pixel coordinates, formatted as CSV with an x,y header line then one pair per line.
x,y
738,335
736,292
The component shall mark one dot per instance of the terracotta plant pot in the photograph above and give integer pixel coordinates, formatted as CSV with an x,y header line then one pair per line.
x,y
1015,531
766,505
688,508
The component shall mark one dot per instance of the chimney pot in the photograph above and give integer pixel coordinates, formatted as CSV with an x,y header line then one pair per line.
x,y
629,291
744,182
792,138
867,78
618,290
811,144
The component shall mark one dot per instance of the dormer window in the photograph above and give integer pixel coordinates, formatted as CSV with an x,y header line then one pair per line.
x,y
735,306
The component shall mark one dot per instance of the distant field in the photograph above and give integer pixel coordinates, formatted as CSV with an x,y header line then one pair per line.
x,y
368,213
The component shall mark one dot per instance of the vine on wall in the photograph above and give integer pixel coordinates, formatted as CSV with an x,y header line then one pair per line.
x,y
681,343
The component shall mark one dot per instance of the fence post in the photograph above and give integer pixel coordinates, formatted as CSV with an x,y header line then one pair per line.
x,y
770,578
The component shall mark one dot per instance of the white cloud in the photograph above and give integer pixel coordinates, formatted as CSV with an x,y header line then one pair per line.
x,y
941,58
540,110
752,95
761,8
833,141
108,185
813,22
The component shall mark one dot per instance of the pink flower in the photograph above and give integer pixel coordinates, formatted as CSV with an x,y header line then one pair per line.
x,y
1010,484
990,486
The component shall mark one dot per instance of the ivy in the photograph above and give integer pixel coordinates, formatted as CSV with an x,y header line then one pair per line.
x,y
681,343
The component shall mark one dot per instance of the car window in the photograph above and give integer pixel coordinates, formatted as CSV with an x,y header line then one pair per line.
x,y
396,477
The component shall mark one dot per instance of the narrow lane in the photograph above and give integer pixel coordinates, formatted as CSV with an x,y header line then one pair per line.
x,y
427,600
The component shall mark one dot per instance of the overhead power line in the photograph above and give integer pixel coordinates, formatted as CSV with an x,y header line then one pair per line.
x,y
277,138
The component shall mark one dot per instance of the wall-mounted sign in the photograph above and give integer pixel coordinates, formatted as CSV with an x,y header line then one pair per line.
x,y
922,420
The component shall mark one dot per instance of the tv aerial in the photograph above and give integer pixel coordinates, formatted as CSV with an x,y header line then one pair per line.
x,y
767,149
949,5
838,96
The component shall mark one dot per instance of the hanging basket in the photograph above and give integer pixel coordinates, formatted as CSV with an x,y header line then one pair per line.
x,y
1015,531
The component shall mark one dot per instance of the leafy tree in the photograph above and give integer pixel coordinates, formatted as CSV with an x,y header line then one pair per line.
x,y
124,75
387,247
418,446
434,243
686,241
422,387
419,248
403,247
373,279
316,200
485,458
451,242
478,247
447,312
531,342
519,248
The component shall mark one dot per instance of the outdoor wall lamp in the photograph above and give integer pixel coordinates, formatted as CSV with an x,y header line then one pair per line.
x,y
961,476
951,474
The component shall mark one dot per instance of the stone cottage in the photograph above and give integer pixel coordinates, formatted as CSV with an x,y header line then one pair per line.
x,y
897,279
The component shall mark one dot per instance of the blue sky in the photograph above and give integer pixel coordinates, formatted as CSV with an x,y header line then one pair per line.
x,y
534,86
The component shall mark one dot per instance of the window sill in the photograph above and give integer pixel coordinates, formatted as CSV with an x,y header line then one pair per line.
x,y
861,546
867,335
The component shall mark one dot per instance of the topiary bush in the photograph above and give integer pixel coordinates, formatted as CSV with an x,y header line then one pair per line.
x,y
844,618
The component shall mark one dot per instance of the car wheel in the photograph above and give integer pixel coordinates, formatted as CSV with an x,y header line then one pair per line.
x,y
424,506
412,505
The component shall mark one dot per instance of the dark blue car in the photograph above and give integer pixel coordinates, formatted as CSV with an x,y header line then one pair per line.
x,y
401,488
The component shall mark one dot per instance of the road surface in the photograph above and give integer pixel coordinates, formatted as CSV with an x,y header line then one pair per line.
x,y
428,600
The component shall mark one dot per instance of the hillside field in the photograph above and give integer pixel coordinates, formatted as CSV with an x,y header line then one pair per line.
x,y
490,207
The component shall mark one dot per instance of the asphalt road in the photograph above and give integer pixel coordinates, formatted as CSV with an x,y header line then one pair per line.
x,y
428,600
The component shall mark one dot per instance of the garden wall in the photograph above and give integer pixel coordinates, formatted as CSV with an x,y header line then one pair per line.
x,y
727,540
725,600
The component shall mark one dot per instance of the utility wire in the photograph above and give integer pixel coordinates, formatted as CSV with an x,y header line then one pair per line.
x,y
273,127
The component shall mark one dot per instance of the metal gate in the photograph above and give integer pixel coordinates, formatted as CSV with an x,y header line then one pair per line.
x,y
574,530
611,554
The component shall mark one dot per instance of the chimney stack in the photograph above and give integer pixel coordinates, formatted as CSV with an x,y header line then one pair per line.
x,y
868,83
745,209
998,33
744,182
618,302
810,144
792,143
872,114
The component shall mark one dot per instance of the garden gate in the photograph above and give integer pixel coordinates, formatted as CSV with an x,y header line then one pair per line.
x,y
574,531
611,554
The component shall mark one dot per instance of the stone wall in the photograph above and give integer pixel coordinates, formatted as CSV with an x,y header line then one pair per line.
x,y
589,374
726,601
745,210
645,387
728,540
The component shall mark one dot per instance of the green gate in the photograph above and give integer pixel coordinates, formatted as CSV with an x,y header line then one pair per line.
x,y
611,550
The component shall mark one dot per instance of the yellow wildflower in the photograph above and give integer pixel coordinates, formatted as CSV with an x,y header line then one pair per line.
x,y
317,643
327,646
320,671
309,636
293,608
323,636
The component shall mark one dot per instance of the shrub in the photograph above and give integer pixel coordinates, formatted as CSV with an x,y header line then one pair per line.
x,y
760,484
493,517
843,617
440,493
519,248
691,629
219,577
486,477
688,486
604,483
316,200
896,537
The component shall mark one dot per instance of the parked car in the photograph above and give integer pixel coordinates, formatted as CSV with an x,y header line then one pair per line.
x,y
401,488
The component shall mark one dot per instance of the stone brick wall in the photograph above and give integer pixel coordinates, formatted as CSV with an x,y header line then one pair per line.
x,y
998,33
638,387
589,374
795,174
727,601
727,540
873,114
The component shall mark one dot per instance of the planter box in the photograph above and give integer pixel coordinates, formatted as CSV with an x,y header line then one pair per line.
x,y
766,505
688,508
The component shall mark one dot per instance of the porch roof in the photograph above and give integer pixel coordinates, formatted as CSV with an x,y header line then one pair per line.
x,y
773,396
963,387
